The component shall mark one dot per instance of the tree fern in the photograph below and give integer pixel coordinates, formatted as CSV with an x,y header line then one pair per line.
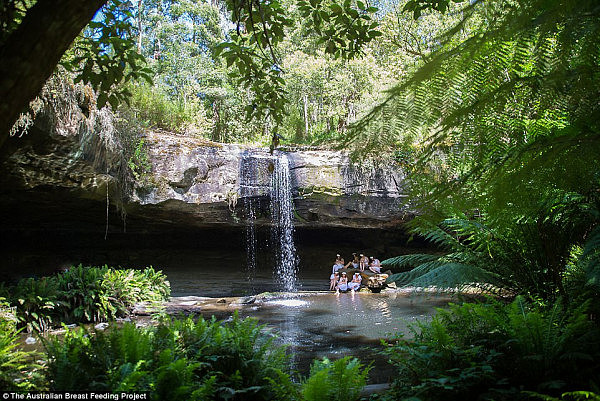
x,y
449,275
502,119
526,72
591,260
526,255
411,260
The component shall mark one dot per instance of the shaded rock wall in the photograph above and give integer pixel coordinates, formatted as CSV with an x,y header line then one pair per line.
x,y
208,183
46,183
61,202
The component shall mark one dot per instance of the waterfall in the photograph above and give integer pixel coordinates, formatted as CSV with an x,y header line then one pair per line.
x,y
250,210
249,191
263,176
282,216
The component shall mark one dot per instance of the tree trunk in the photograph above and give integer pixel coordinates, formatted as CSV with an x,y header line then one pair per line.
x,y
305,101
139,18
216,134
31,53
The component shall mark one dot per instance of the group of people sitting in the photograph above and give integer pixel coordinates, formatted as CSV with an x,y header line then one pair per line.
x,y
340,282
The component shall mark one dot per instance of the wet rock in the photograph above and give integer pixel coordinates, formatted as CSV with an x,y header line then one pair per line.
x,y
140,309
187,303
208,181
193,184
246,300
376,282
101,326
374,389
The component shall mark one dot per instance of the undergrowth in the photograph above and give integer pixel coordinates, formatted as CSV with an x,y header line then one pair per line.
x,y
497,352
18,369
340,380
84,294
183,359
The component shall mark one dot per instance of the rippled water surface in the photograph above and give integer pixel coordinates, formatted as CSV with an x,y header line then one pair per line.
x,y
330,325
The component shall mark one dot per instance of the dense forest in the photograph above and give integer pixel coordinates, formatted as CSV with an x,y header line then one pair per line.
x,y
490,107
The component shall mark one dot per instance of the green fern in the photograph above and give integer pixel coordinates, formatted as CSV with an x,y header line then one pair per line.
x,y
340,380
495,351
522,253
408,261
178,359
502,119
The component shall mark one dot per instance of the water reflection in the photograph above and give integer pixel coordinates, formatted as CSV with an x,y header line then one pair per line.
x,y
333,326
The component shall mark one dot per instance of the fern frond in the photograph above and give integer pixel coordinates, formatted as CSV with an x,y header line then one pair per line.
x,y
445,275
592,245
412,260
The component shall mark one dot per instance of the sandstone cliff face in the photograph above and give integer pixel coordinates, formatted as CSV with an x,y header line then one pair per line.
x,y
195,184
210,183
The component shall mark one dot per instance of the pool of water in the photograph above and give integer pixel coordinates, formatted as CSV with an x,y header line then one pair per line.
x,y
334,326
313,325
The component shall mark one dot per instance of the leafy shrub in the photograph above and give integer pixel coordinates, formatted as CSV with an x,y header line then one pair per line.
x,y
340,380
155,109
81,290
570,396
178,359
85,294
125,288
495,351
17,371
37,302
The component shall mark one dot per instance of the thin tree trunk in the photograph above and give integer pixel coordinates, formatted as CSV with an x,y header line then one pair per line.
x,y
139,17
305,101
217,122
31,53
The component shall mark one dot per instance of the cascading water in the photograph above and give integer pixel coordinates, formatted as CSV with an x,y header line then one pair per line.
x,y
250,241
263,176
282,215
250,190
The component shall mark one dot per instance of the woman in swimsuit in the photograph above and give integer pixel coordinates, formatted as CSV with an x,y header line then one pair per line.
x,y
333,280
364,262
339,263
355,262
375,265
342,284
354,285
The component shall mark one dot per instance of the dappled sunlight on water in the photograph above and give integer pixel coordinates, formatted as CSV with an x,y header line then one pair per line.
x,y
289,302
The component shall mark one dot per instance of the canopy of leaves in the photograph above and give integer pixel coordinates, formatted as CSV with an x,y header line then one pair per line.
x,y
105,56
343,28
